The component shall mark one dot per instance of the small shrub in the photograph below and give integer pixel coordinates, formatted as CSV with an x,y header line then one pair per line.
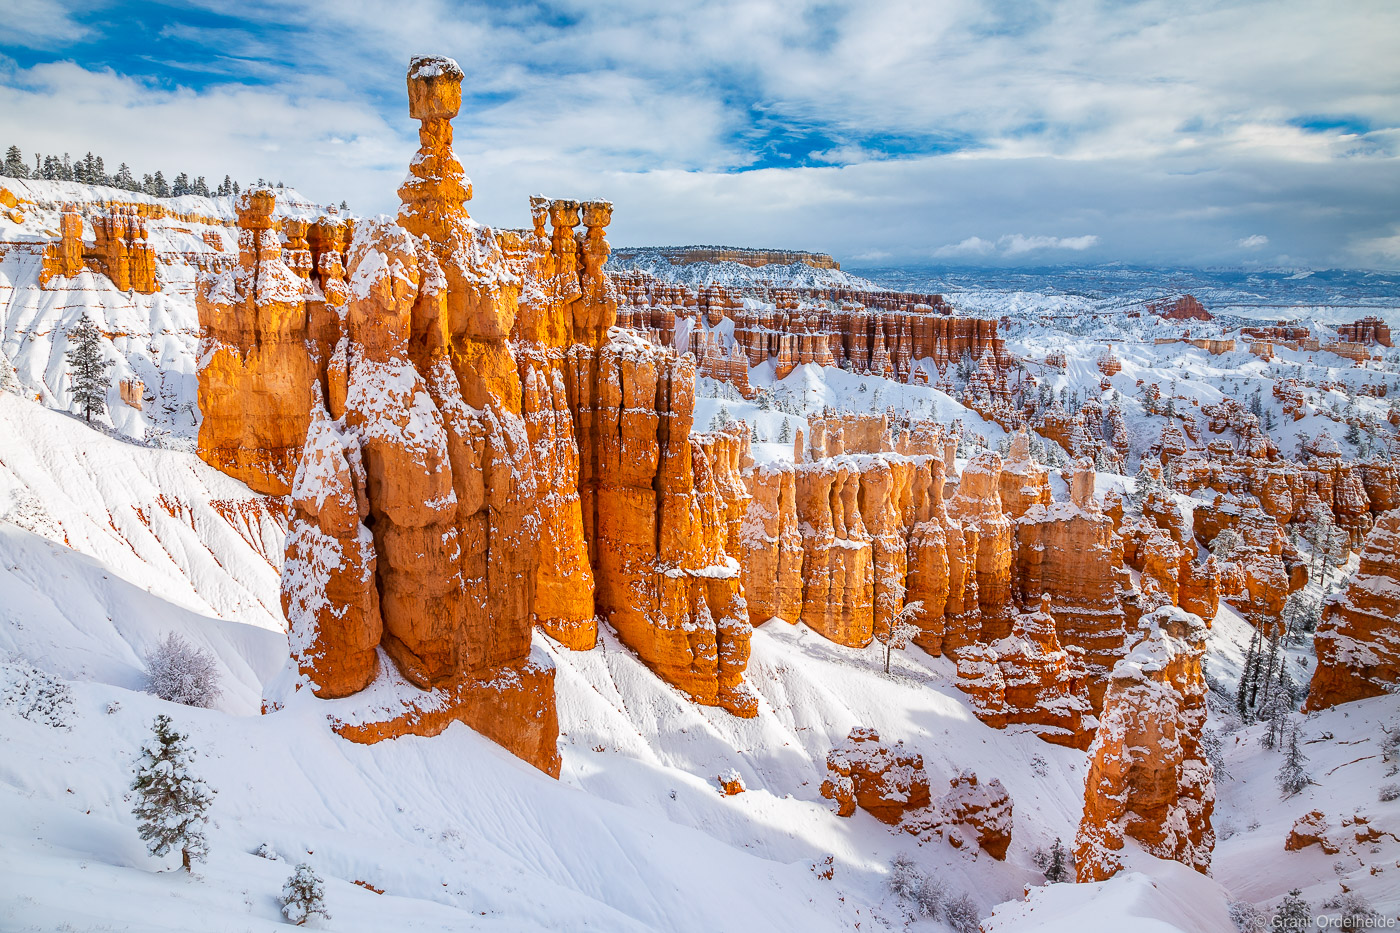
x,y
37,695
265,850
1389,792
960,913
1246,917
922,890
904,877
930,896
1294,914
304,896
181,673
1356,912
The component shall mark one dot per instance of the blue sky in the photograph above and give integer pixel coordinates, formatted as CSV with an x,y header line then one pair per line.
x,y
1006,132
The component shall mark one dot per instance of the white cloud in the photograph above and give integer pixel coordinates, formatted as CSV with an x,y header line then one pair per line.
x,y
1162,126
38,24
1254,241
972,246
1015,244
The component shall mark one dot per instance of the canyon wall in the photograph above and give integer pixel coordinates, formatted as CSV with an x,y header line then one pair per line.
x,y
1358,641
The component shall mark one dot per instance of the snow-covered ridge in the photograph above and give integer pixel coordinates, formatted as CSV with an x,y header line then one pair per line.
x,y
150,339
697,275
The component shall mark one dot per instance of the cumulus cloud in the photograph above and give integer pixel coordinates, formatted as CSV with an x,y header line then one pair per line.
x,y
1254,241
878,130
972,246
1016,244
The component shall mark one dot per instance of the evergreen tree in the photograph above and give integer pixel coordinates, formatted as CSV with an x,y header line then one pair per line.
x,y
1059,867
1243,706
200,187
1294,914
162,188
304,896
235,189
344,206
171,802
124,178
785,432
181,185
226,188
1292,777
14,163
87,367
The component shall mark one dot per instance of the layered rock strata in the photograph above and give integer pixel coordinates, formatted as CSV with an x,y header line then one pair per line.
x,y
255,364
483,456
1358,642
1148,775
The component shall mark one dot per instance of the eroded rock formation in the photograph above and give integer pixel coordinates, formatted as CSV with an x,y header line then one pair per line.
x,y
884,780
1358,642
1148,776
255,365
982,811
483,456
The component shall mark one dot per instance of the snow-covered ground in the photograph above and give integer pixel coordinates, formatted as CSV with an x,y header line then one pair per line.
x,y
458,834
112,538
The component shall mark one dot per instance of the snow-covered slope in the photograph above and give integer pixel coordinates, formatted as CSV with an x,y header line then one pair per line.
x,y
457,833
152,338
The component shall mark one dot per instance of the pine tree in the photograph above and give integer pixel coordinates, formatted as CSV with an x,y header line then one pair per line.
x,y
14,163
171,803
785,432
304,896
1292,777
181,185
1058,868
87,367
1243,708
344,206
162,189
124,178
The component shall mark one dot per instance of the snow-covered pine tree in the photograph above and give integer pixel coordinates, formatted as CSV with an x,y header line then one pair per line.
x,y
304,896
1244,707
88,368
171,802
14,163
1294,914
1292,777
785,432
1060,865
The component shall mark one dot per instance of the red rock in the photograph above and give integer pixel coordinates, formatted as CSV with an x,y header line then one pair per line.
x,y
983,811
256,370
1148,777
1357,643
885,781
1310,829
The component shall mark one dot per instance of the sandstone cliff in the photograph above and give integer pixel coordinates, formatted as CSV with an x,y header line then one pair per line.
x,y
1358,642
1148,778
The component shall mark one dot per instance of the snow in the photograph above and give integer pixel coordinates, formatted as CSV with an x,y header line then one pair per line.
x,y
112,539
